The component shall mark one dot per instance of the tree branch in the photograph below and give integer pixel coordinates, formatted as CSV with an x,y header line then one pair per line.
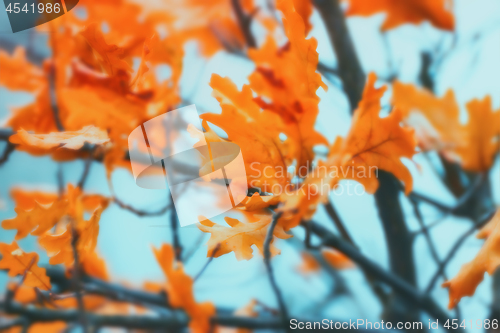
x,y
349,67
244,21
477,225
400,286
269,268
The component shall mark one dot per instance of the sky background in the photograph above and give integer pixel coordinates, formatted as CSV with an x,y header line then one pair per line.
x,y
470,67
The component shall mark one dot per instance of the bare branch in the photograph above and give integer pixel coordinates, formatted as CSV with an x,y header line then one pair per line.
x,y
214,252
245,22
140,212
332,212
174,225
349,67
400,286
459,242
269,268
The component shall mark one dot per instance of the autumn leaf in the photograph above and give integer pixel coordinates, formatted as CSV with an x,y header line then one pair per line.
x,y
309,264
256,132
376,143
20,74
38,219
304,8
286,83
482,136
257,203
95,266
246,311
486,261
372,143
435,120
18,262
38,212
239,237
337,259
437,12
59,246
111,57
40,144
333,257
180,291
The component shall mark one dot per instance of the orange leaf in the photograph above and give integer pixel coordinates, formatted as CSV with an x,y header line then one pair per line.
x,y
286,83
309,264
39,144
256,203
59,246
377,143
437,12
37,220
472,273
54,326
240,237
337,259
180,291
110,56
255,131
482,136
95,266
435,120
20,74
18,262
39,212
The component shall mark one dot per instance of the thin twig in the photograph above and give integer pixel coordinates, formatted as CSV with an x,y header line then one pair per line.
x,y
332,212
245,22
214,252
462,200
427,235
86,169
77,280
400,286
140,212
270,272
174,225
9,149
454,249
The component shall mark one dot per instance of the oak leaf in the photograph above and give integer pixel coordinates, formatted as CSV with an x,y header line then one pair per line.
x,y
437,12
435,120
376,143
59,247
486,261
40,144
257,203
239,237
372,143
111,57
38,212
20,74
18,262
286,83
482,136
256,132
180,292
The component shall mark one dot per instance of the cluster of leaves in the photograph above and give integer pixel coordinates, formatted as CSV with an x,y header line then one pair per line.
x,y
88,97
